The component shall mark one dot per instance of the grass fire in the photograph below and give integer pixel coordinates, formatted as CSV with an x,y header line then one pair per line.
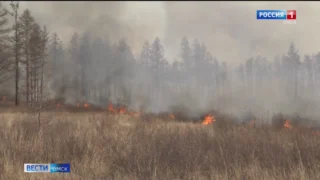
x,y
208,119
113,139
159,91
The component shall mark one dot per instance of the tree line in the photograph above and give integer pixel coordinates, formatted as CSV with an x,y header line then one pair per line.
x,y
95,70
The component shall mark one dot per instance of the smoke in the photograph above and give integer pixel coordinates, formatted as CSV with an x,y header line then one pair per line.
x,y
229,30
137,21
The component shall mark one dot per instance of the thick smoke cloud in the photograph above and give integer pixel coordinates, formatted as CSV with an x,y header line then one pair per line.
x,y
229,30
137,21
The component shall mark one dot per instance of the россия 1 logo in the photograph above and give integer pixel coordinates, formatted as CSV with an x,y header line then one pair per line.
x,y
278,15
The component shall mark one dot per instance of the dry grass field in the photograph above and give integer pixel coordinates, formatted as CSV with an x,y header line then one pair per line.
x,y
104,146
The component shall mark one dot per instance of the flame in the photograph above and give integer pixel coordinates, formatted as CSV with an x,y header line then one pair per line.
x,y
3,98
287,124
110,108
122,110
85,105
209,119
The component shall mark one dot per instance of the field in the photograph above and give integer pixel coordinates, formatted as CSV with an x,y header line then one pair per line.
x,y
103,146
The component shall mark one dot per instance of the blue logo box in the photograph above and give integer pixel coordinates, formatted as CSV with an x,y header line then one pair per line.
x,y
46,168
271,14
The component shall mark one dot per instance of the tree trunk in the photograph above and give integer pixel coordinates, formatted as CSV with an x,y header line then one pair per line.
x,y
17,60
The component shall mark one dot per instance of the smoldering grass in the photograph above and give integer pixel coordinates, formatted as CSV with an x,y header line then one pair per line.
x,y
101,146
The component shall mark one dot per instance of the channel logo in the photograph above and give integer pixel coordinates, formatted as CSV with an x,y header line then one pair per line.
x,y
60,168
46,168
276,14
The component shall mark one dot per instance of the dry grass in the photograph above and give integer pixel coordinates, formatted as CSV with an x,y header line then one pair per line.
x,y
100,146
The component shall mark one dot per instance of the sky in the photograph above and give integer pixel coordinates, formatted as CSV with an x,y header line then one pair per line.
x,y
229,29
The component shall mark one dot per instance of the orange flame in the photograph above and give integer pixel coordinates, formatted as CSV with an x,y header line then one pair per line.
x,y
85,105
122,110
209,119
287,124
110,108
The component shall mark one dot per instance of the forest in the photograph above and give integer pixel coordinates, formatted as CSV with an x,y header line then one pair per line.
x,y
37,65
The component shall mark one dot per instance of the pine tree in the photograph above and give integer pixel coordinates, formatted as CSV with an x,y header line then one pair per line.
x,y
294,64
43,57
73,54
6,61
26,23
17,46
84,60
309,72
54,48
35,61
156,60
58,70
186,55
145,55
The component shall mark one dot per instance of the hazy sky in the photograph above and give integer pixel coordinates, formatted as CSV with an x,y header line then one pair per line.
x,y
229,29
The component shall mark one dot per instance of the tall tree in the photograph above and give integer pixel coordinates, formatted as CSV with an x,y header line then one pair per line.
x,y
186,54
156,56
36,44
309,72
294,59
26,25
15,7
73,54
6,64
44,54
125,60
145,54
57,67
156,60
84,60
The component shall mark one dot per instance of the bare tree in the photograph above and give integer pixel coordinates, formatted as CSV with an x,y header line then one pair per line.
x,y
15,6
26,24
40,94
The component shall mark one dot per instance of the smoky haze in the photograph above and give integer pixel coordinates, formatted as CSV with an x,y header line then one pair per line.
x,y
230,33
220,25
